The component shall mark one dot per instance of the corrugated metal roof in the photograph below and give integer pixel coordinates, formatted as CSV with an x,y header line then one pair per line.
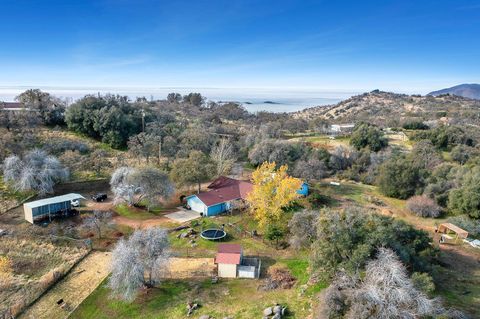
x,y
225,189
224,258
54,200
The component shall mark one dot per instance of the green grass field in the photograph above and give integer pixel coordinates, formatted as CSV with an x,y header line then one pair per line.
x,y
238,298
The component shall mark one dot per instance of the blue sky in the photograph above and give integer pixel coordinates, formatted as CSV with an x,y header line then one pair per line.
x,y
405,46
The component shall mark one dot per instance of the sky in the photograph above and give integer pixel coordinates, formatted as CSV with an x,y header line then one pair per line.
x,y
403,46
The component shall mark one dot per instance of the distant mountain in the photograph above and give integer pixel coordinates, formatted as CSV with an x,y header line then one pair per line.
x,y
471,91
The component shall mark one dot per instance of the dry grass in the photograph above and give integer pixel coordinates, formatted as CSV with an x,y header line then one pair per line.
x,y
73,289
36,266
181,268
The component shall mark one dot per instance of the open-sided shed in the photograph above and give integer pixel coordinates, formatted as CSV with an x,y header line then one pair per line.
x,y
48,208
449,228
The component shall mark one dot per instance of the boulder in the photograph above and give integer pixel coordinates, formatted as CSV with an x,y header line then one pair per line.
x,y
268,311
205,317
277,309
277,316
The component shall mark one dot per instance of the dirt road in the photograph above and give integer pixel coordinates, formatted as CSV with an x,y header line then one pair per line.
x,y
73,289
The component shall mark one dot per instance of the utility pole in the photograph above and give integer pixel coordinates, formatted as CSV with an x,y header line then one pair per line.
x,y
143,121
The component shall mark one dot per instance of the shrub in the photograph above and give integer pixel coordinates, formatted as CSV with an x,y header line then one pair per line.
x,y
59,145
423,282
357,233
423,206
318,200
398,177
466,198
469,224
367,135
415,125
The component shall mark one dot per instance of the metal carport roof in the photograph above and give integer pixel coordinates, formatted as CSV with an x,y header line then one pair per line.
x,y
54,200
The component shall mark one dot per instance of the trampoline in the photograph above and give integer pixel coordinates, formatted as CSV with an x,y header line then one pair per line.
x,y
213,234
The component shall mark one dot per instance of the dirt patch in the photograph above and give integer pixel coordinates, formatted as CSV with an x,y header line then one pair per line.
x,y
278,278
107,205
142,224
72,290
181,268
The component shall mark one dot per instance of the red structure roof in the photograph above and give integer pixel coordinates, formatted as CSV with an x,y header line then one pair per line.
x,y
229,254
225,189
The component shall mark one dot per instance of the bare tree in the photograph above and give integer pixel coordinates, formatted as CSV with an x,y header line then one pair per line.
x,y
37,171
311,169
303,229
134,185
152,185
144,145
138,262
224,157
386,291
99,221
424,206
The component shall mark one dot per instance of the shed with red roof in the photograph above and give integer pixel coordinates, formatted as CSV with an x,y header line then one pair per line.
x,y
229,257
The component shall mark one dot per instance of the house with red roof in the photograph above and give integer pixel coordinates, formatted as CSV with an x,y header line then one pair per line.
x,y
232,264
218,199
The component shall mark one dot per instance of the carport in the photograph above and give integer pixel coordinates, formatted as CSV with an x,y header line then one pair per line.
x,y
448,229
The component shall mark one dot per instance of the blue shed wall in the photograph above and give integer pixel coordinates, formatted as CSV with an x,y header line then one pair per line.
x,y
51,208
217,209
303,190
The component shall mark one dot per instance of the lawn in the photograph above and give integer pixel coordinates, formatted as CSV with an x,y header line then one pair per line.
x,y
138,213
239,298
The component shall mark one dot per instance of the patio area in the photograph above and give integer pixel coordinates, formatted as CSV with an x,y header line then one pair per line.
x,y
183,215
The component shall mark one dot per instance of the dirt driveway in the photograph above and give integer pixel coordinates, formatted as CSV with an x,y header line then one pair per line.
x,y
82,280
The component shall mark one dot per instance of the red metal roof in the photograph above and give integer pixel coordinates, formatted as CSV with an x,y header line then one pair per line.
x,y
225,189
223,181
222,258
229,254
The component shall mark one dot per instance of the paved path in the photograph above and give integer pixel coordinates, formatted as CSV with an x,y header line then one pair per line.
x,y
73,289
183,216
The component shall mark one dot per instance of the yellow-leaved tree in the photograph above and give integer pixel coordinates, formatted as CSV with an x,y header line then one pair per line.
x,y
272,190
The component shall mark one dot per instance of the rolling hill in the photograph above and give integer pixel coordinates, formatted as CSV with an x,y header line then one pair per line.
x,y
386,108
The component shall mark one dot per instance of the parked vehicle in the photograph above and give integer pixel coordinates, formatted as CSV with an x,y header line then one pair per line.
x,y
100,197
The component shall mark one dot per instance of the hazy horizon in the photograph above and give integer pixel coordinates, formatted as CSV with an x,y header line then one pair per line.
x,y
285,100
